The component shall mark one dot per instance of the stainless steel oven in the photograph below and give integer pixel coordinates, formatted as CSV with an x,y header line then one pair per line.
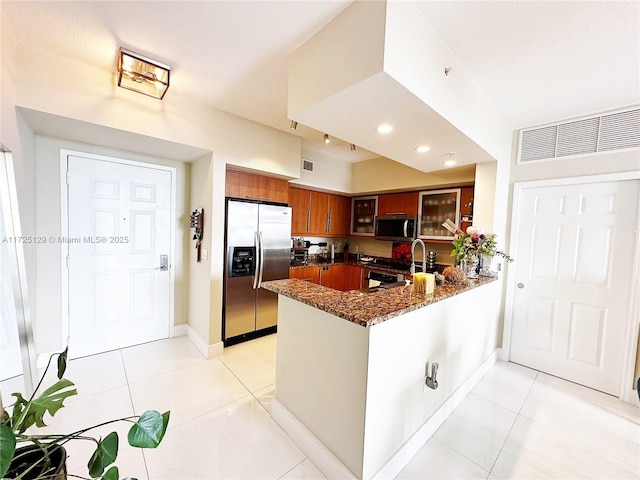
x,y
378,278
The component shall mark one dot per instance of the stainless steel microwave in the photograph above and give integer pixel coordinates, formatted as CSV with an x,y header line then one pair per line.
x,y
399,228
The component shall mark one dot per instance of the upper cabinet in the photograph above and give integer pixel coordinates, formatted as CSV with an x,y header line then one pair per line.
x,y
398,204
340,215
318,213
256,187
434,208
299,200
363,211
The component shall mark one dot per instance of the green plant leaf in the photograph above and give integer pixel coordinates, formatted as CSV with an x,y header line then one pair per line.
x,y
62,363
7,448
51,400
105,454
149,430
112,474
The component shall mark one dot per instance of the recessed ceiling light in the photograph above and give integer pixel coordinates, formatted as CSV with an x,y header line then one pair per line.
x,y
449,163
384,128
423,149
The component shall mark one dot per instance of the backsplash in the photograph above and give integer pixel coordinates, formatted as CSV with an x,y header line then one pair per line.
x,y
379,248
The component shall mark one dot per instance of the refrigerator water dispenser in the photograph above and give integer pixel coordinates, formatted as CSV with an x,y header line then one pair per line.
x,y
243,262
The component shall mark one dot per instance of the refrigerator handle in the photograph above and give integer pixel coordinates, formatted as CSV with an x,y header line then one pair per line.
x,y
261,258
256,243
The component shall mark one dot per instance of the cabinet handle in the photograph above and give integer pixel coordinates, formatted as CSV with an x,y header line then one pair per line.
x,y
395,213
308,220
328,222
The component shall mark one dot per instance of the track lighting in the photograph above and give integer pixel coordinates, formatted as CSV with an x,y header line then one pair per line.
x,y
326,138
294,125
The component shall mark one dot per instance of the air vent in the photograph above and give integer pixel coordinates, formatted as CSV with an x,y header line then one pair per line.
x,y
307,165
616,131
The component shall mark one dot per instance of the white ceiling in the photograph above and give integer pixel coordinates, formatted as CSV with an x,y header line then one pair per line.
x,y
540,61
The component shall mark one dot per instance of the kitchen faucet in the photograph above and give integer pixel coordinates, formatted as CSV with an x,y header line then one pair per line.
x,y
424,256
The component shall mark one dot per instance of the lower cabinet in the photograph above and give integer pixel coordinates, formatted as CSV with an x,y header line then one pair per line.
x,y
310,274
339,277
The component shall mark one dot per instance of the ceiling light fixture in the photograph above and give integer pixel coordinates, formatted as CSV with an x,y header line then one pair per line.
x,y
353,147
326,138
142,75
423,149
384,128
451,162
447,71
294,125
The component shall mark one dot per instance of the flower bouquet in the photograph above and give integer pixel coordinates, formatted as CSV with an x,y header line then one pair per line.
x,y
470,246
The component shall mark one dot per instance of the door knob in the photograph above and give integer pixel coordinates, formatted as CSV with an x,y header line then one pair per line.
x,y
520,285
164,263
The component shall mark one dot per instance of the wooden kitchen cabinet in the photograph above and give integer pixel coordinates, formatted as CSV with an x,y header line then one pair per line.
x,y
350,278
340,211
309,274
339,277
434,208
329,276
256,187
318,213
319,217
363,211
398,204
299,202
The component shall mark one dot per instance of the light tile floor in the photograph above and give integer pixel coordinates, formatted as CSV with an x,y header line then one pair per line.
x,y
516,423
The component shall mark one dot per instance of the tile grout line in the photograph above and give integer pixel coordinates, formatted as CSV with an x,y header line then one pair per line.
x,y
126,377
242,383
535,379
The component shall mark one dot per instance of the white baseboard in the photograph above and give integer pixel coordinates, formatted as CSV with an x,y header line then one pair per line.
x,y
503,354
407,451
179,330
207,351
306,441
332,468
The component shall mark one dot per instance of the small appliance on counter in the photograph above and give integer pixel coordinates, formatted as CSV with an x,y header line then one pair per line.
x,y
299,251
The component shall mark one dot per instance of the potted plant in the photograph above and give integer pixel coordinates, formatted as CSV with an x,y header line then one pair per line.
x,y
469,247
27,455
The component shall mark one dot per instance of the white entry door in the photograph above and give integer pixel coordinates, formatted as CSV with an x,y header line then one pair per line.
x,y
119,224
574,265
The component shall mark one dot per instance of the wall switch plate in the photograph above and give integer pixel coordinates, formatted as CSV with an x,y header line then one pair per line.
x,y
205,253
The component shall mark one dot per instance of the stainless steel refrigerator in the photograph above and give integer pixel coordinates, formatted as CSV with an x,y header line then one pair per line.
x,y
258,249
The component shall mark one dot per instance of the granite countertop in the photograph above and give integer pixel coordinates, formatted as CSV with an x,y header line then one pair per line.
x,y
367,309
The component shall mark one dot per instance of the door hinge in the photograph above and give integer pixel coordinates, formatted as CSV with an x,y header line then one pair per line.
x,y
67,261
67,178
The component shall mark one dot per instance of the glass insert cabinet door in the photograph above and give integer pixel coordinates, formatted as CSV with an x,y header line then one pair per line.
x,y
434,208
363,211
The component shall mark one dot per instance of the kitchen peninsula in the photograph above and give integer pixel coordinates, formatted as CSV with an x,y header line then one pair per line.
x,y
351,367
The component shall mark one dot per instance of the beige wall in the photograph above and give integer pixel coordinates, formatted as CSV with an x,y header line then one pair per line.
x,y
382,174
326,52
201,178
75,101
330,174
